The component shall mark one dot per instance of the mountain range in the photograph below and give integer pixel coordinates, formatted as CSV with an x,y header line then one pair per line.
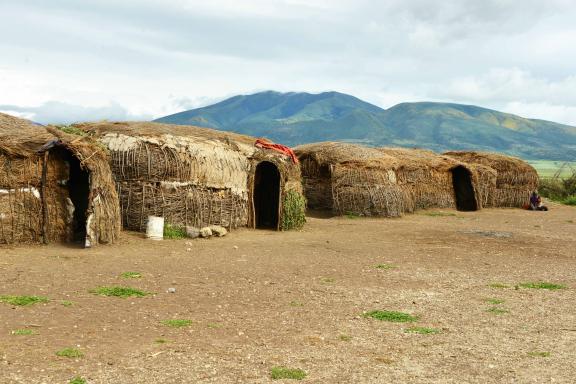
x,y
297,118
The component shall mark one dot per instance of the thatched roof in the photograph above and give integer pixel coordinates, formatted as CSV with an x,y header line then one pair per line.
x,y
330,152
362,156
150,129
500,162
20,137
510,170
419,158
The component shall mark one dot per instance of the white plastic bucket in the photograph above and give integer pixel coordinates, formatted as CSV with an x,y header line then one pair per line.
x,y
155,228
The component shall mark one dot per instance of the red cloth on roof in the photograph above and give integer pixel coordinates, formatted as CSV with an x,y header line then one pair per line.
x,y
260,143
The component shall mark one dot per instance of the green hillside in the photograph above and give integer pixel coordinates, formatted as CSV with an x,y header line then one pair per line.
x,y
297,118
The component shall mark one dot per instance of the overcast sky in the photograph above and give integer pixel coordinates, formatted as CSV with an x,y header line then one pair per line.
x,y
72,60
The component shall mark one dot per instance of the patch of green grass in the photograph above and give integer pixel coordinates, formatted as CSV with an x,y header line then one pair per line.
x,y
499,285
131,275
160,341
571,200
385,266
539,354
23,300
174,232
422,330
278,373
327,280
71,130
497,311
70,352
214,325
66,303
119,292
495,301
542,285
392,316
438,214
77,380
177,323
296,304
22,332
345,337
351,215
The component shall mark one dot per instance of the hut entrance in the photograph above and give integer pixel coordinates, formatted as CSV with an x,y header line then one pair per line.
x,y
463,189
266,195
78,186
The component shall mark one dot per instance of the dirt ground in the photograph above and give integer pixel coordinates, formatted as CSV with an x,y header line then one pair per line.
x,y
260,299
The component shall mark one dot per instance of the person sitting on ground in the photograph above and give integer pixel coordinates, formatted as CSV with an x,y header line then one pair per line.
x,y
536,202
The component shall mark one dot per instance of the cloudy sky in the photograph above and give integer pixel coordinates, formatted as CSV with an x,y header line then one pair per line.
x,y
72,60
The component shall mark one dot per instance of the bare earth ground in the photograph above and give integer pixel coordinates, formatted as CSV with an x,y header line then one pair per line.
x,y
296,299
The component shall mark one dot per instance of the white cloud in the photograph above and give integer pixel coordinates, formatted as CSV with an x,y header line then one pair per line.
x,y
54,112
543,111
154,57
508,85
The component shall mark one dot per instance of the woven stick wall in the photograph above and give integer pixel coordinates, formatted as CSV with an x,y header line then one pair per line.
x,y
180,205
317,184
367,192
20,205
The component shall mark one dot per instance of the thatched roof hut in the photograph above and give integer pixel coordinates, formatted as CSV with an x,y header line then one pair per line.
x,y
197,177
350,178
54,187
515,179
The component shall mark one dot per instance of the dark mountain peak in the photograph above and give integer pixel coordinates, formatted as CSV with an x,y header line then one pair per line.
x,y
273,106
300,117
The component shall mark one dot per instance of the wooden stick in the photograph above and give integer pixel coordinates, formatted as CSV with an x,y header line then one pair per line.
x,y
44,202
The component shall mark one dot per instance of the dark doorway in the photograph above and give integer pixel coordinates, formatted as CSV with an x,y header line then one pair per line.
x,y
266,195
463,189
78,185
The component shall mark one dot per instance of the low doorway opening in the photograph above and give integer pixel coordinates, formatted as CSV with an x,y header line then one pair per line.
x,y
463,189
266,195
